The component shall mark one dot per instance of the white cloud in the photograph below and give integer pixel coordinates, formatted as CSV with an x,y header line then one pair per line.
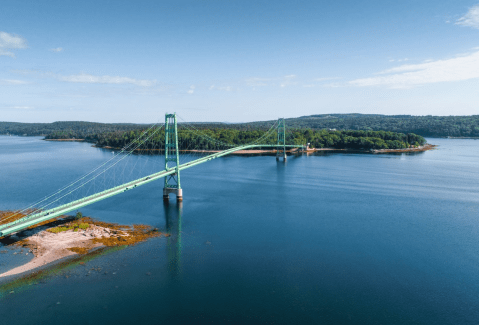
x,y
471,18
7,53
88,78
22,107
13,82
18,107
10,42
320,82
191,90
281,81
257,82
288,80
463,67
398,60
332,85
326,78
58,49
224,88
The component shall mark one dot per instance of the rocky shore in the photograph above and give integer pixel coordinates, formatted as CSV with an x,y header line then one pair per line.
x,y
70,236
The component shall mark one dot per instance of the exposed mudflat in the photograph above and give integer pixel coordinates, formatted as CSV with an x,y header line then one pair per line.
x,y
426,147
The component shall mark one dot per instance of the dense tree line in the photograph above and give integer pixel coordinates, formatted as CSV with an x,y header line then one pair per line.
x,y
359,139
214,135
64,130
211,139
428,126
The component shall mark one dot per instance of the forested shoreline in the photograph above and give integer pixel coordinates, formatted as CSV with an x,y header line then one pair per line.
x,y
426,126
64,130
219,138
342,131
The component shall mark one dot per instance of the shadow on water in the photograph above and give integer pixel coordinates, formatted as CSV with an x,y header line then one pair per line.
x,y
23,282
280,166
173,213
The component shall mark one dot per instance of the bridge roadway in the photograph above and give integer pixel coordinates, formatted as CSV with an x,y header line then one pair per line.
x,y
33,219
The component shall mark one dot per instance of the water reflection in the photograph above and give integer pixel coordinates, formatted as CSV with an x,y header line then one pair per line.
x,y
173,213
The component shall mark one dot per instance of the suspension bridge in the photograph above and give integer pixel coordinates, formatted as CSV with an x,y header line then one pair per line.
x,y
171,174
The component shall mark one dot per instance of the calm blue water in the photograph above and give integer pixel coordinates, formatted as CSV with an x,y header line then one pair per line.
x,y
322,239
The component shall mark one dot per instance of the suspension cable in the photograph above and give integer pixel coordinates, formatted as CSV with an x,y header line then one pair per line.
x,y
123,157
83,177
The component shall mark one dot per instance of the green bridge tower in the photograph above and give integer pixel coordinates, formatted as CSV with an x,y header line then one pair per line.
x,y
172,158
281,151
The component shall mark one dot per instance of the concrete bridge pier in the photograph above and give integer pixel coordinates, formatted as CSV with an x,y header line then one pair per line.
x,y
278,156
177,191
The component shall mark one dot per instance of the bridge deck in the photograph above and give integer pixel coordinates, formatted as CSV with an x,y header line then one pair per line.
x,y
39,217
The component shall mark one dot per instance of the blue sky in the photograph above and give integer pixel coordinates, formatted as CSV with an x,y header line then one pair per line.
x,y
132,61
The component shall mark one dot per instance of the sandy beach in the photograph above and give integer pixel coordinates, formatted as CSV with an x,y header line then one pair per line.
x,y
49,247
50,243
426,147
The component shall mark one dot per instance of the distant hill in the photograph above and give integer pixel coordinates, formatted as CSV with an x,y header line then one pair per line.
x,y
428,126
65,130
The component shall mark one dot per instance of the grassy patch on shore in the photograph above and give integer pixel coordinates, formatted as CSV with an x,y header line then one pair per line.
x,y
129,236
74,227
79,250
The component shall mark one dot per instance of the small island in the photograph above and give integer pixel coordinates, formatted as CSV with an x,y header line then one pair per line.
x,y
67,236
210,140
